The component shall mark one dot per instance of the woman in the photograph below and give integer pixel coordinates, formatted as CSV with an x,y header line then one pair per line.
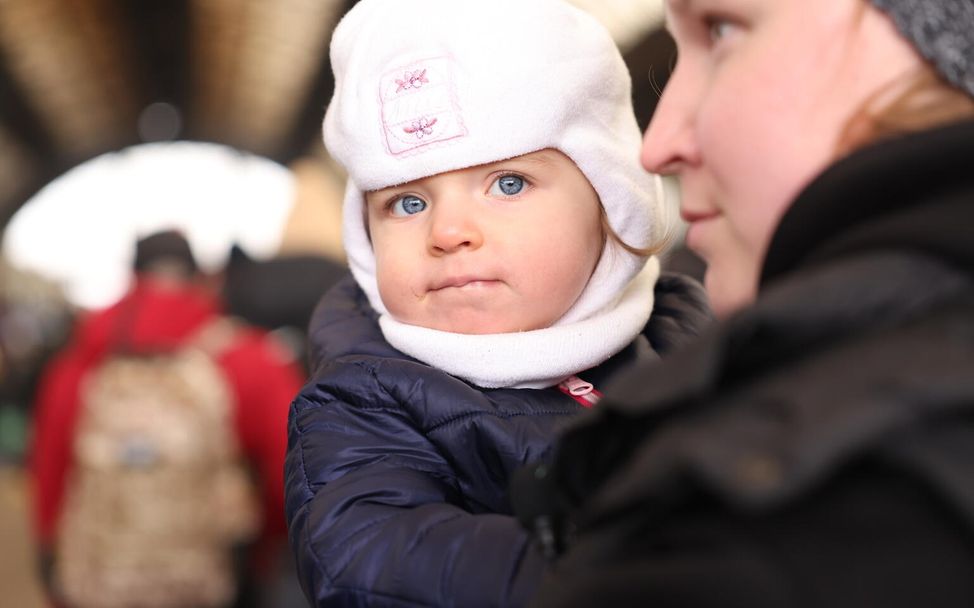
x,y
816,448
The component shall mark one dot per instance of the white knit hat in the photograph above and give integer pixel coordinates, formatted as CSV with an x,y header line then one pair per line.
x,y
428,86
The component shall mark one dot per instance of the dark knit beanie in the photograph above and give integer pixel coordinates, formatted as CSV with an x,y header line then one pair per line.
x,y
167,246
942,31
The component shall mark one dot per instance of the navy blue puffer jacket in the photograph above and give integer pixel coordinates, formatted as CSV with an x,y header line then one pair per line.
x,y
397,473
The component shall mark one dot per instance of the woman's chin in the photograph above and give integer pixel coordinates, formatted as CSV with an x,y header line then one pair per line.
x,y
727,295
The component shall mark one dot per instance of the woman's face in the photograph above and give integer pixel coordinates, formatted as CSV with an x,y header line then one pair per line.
x,y
754,109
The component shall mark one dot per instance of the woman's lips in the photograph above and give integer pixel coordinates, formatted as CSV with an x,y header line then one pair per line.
x,y
691,215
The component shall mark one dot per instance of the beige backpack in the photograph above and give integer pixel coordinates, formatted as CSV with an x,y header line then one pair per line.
x,y
158,498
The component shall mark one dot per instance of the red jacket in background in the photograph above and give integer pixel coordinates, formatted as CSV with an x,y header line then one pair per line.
x,y
160,316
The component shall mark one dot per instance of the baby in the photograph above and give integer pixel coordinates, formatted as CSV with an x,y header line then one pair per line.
x,y
500,233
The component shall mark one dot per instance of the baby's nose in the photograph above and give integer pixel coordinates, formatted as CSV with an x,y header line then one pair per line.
x,y
452,230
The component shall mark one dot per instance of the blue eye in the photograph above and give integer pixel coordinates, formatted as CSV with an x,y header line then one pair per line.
x,y
507,185
407,205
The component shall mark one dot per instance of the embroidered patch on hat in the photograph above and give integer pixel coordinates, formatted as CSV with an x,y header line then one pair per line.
x,y
419,105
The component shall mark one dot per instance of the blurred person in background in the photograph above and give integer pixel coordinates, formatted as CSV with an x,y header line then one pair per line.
x,y
35,318
280,293
816,448
170,310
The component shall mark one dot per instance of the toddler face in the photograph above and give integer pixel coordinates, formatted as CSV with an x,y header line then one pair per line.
x,y
496,248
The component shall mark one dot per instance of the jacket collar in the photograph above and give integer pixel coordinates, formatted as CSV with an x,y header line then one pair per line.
x,y
893,214
916,191
756,380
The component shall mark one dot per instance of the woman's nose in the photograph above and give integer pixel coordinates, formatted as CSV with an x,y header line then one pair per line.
x,y
669,143
453,228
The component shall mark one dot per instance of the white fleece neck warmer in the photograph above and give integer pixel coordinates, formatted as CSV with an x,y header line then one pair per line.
x,y
423,87
532,359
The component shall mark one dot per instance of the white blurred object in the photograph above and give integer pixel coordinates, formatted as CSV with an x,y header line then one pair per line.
x,y
627,20
81,229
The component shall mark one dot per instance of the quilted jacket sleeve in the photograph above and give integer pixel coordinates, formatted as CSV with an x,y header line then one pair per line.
x,y
376,517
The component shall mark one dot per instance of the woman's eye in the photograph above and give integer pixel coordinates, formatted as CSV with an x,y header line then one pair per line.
x,y
407,205
507,185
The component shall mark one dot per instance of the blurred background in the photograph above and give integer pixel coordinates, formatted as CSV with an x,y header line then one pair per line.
x,y
119,118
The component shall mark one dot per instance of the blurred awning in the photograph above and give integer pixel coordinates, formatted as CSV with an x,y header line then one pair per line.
x,y
79,78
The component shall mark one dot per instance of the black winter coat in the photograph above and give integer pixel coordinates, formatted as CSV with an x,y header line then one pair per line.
x,y
397,473
817,449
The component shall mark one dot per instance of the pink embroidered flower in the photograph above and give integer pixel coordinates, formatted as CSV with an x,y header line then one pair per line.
x,y
412,80
421,127
419,104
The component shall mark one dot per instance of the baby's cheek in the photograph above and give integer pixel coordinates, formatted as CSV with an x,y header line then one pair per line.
x,y
386,283
395,291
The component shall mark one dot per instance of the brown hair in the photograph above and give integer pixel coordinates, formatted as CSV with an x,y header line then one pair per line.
x,y
609,234
925,100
